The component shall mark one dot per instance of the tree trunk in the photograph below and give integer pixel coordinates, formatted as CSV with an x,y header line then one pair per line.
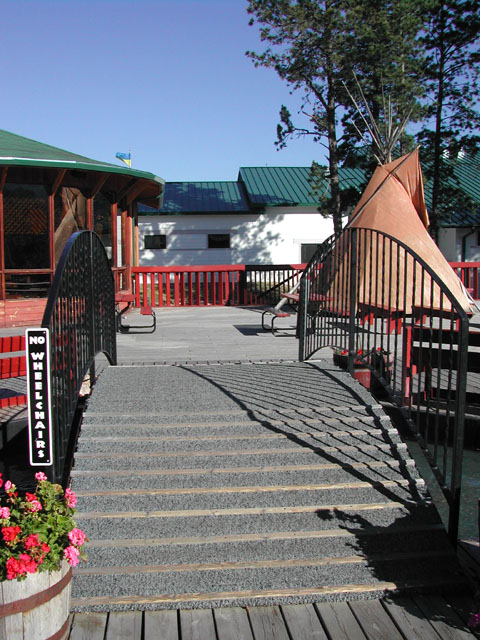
x,y
437,159
332,136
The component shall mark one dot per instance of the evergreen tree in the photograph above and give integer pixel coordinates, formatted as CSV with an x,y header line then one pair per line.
x,y
452,120
384,83
305,44
319,47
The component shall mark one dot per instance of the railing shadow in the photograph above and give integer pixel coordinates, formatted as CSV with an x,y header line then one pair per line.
x,y
300,417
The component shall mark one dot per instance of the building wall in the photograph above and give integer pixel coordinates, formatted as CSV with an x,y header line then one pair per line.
x,y
273,237
447,243
472,244
450,242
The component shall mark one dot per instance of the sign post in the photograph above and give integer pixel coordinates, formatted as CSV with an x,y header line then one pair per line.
x,y
37,350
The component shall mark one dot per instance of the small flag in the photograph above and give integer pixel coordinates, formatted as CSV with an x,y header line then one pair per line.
x,y
125,157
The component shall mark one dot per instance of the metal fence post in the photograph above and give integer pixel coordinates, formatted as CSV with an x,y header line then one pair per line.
x,y
303,316
352,302
457,454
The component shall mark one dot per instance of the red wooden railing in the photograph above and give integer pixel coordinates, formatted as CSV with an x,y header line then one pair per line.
x,y
468,274
212,285
187,286
239,284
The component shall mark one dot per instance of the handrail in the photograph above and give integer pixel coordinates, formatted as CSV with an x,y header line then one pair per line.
x,y
388,314
240,284
80,315
468,272
203,285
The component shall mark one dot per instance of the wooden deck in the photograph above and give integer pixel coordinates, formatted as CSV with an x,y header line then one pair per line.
x,y
421,617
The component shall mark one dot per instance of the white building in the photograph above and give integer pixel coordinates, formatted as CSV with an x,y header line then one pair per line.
x,y
271,216
268,216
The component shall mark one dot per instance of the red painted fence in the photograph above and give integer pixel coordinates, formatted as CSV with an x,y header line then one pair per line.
x,y
237,284
468,274
213,285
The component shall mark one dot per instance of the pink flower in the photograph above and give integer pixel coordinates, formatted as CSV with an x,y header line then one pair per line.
x,y
71,554
40,476
34,505
1,480
32,541
10,533
4,513
70,497
76,537
9,486
474,620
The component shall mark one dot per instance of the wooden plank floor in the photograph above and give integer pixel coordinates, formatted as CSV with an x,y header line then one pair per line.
x,y
409,618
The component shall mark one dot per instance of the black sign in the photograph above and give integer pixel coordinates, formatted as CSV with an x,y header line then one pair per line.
x,y
38,394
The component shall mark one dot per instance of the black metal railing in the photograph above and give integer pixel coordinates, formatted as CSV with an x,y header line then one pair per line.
x,y
80,315
391,319
264,284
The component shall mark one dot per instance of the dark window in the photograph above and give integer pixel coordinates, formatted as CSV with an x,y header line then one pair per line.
x,y
307,252
219,241
25,219
156,242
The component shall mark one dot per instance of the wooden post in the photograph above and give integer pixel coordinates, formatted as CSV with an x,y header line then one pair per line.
x,y
90,214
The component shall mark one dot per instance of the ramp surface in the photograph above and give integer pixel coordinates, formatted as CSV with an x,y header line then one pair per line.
x,y
211,485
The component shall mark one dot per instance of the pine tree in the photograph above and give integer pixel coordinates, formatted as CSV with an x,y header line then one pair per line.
x,y
319,47
452,120
304,47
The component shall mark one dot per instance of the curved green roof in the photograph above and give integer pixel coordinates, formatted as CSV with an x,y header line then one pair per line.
x,y
19,151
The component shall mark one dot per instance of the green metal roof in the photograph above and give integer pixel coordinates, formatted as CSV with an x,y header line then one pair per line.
x,y
19,151
202,197
258,187
277,186
467,178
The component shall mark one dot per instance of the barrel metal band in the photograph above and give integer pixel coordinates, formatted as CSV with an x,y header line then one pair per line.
x,y
26,604
61,633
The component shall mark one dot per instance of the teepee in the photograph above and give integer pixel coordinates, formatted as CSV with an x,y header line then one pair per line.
x,y
393,204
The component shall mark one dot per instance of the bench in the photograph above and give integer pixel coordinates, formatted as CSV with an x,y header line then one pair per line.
x,y
128,299
12,367
292,298
428,350
369,312
275,314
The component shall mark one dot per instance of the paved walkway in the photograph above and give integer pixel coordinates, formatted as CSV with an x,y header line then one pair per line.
x,y
207,334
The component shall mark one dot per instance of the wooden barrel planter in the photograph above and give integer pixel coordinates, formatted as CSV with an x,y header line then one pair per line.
x,y
37,608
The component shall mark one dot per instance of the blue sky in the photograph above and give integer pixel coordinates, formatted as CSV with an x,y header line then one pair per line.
x,y
168,79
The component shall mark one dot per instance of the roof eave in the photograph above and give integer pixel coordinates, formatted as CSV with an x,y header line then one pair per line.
x,y
83,166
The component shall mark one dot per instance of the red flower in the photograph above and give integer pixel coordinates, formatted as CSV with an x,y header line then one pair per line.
x,y
14,568
28,564
32,541
10,533
1,480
